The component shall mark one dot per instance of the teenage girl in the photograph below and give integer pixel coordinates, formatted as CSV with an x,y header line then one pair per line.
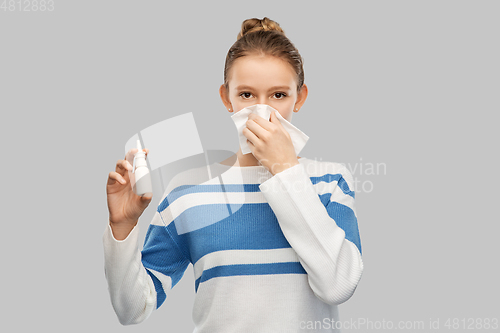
x,y
272,254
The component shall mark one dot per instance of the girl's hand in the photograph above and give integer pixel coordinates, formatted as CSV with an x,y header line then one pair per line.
x,y
124,205
270,143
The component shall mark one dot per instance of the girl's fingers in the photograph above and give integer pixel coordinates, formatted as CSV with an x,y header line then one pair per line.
x,y
250,135
115,177
130,154
122,166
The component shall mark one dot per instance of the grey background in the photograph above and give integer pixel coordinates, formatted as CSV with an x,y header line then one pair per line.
x,y
409,84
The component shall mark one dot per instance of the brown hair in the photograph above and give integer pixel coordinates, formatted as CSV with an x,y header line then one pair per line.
x,y
267,38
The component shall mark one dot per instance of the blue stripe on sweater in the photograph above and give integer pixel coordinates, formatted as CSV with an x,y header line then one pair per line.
x,y
190,189
250,269
341,183
189,220
161,254
161,296
344,217
253,226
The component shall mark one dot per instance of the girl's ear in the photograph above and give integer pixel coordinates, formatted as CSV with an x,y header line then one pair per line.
x,y
301,97
224,95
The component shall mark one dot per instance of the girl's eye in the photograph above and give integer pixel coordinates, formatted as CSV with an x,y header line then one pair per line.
x,y
246,95
279,95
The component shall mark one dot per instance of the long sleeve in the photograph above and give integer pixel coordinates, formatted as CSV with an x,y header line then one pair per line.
x,y
138,281
321,226
130,287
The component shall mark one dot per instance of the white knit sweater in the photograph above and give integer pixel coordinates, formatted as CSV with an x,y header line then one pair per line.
x,y
270,253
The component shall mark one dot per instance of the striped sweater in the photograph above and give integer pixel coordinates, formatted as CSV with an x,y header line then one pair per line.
x,y
269,253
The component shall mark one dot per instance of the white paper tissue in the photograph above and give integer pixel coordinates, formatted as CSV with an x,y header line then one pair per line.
x,y
299,138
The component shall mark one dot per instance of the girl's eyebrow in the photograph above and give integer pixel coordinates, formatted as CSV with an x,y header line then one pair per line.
x,y
243,87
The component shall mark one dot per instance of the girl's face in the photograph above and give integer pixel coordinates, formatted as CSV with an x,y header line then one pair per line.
x,y
258,79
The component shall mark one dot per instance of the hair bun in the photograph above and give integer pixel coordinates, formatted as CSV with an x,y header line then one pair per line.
x,y
255,24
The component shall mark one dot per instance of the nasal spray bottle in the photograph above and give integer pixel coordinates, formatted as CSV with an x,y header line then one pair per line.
x,y
142,176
